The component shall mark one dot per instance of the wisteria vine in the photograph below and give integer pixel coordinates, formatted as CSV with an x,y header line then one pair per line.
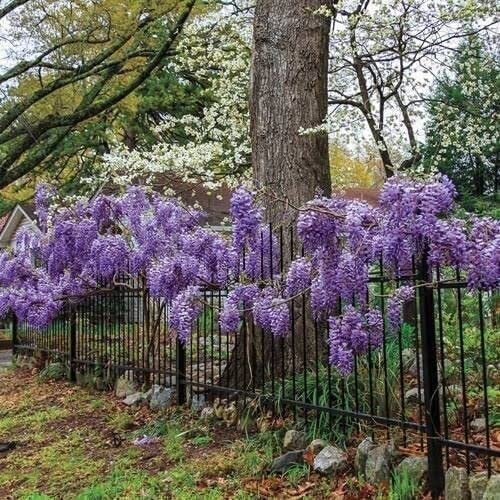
x,y
165,243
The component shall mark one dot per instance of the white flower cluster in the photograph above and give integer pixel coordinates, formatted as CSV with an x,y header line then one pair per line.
x,y
472,127
384,62
215,51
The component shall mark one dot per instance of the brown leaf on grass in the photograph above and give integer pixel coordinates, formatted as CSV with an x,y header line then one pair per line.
x,y
411,449
495,438
211,482
300,491
309,457
367,491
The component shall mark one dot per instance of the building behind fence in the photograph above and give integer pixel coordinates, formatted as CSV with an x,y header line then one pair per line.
x,y
434,386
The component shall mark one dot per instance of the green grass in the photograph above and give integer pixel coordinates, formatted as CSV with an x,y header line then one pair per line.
x,y
404,486
64,458
325,387
201,441
124,483
67,450
297,473
121,421
36,420
173,444
258,451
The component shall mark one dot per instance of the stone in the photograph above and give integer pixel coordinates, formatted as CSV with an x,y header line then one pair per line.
x,y
198,402
477,485
24,361
409,356
125,385
207,413
330,460
456,484
493,489
378,465
362,454
149,393
414,396
478,425
416,369
294,440
81,378
281,464
134,399
100,383
316,445
416,467
161,397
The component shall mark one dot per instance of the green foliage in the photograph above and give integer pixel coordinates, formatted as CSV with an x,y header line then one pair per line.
x,y
124,484
483,205
463,133
36,496
54,371
202,441
404,486
101,78
5,205
465,335
325,387
493,394
173,444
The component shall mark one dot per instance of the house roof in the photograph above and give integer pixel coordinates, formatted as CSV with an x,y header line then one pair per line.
x,y
215,203
11,224
3,220
370,195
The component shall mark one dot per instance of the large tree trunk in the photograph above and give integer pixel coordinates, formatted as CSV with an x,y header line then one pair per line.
x,y
288,92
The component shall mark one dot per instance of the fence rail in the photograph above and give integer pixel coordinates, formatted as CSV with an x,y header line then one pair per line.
x,y
434,385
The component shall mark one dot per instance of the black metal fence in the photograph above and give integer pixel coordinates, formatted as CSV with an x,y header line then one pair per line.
x,y
434,387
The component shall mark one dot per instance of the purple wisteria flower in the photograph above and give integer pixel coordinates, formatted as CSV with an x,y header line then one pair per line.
x,y
247,218
395,305
240,298
271,312
186,308
298,278
164,243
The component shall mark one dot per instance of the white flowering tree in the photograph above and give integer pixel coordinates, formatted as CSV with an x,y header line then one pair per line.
x,y
463,132
212,145
385,57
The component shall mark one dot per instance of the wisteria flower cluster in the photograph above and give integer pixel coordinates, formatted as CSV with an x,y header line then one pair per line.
x,y
110,238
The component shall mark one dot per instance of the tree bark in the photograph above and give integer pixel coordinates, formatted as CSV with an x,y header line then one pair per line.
x,y
289,91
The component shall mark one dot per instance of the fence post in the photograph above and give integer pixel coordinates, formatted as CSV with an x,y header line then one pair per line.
x,y
72,345
431,386
181,372
14,334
